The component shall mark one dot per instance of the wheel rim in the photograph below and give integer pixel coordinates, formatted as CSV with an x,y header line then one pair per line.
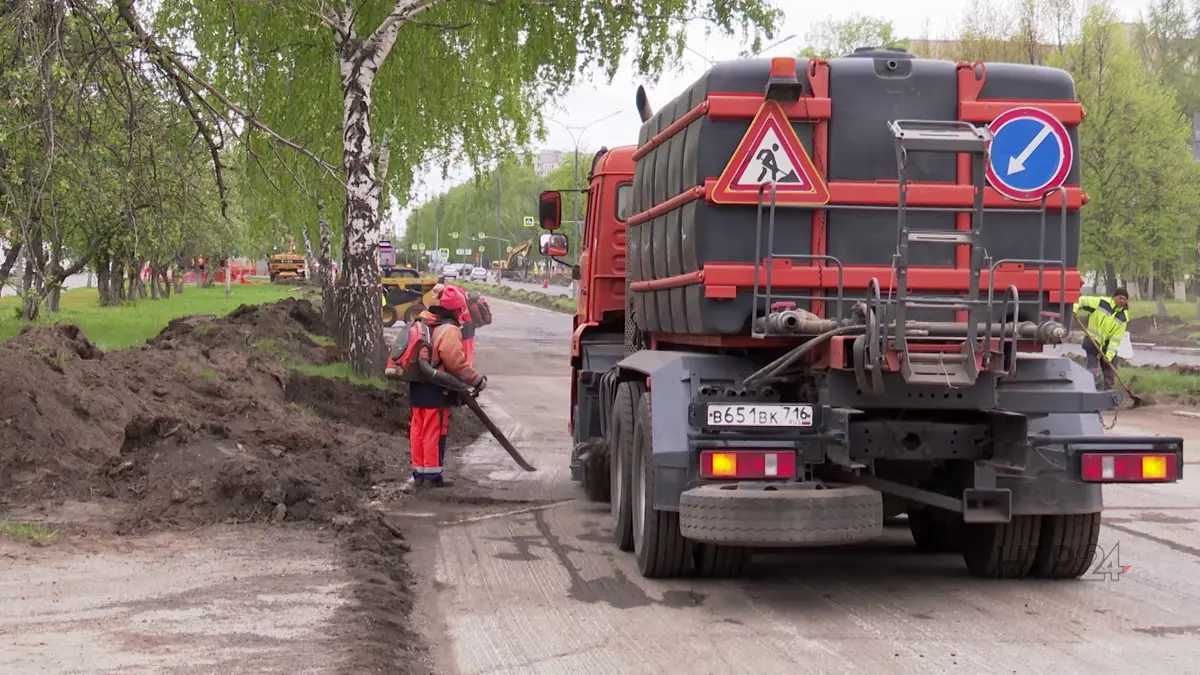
x,y
639,504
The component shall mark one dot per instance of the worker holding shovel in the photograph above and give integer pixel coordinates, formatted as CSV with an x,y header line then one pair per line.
x,y
1106,323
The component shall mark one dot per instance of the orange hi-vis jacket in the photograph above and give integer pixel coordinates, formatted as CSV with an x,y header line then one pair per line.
x,y
448,356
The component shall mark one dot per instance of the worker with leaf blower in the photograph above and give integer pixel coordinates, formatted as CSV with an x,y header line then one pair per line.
x,y
430,357
1106,323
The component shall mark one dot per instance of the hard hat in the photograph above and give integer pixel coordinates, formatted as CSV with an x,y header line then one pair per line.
x,y
453,298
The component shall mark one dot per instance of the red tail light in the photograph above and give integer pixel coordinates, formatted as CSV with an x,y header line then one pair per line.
x,y
747,464
1129,467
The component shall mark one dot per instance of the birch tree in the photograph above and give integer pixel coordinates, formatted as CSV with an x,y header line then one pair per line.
x,y
451,80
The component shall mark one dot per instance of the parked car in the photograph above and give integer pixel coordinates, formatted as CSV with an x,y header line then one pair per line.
x,y
479,274
450,271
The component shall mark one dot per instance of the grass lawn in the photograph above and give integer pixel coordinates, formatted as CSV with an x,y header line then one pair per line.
x,y
1161,382
131,324
1184,309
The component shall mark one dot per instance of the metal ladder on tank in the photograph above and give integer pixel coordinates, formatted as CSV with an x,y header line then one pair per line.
x,y
954,137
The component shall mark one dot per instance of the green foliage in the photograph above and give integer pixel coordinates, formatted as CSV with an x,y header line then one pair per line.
x,y
469,209
98,166
465,82
832,38
1135,155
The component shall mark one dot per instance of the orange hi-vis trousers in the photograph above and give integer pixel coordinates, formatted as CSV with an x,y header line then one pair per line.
x,y
427,438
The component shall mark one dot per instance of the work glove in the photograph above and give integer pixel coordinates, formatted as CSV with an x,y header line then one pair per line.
x,y
481,386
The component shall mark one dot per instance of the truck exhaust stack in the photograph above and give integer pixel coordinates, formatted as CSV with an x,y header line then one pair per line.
x,y
643,104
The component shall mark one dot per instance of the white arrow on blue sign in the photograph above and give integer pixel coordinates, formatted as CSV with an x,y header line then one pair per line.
x,y
1030,153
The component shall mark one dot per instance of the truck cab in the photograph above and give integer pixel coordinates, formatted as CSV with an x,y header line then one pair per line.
x,y
597,340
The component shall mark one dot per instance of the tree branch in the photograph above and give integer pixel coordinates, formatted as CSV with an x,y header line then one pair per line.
x,y
173,67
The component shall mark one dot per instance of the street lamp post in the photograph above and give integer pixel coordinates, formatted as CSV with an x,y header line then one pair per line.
x,y
576,139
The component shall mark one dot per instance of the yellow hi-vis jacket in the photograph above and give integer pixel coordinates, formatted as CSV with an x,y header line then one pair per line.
x,y
1107,322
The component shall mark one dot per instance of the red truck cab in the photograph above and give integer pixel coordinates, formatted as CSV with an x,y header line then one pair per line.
x,y
600,275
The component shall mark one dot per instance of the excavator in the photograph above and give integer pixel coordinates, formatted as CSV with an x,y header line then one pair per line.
x,y
516,266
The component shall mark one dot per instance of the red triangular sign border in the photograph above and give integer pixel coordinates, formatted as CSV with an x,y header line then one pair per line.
x,y
811,191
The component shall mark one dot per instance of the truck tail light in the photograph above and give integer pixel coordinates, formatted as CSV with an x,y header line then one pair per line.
x,y
1129,467
747,464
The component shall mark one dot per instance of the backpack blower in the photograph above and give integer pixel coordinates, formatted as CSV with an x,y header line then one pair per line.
x,y
410,361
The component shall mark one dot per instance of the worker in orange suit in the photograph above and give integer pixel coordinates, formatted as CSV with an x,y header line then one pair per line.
x,y
431,401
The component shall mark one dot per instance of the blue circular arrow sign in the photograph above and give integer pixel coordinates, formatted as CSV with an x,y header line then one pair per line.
x,y
1030,153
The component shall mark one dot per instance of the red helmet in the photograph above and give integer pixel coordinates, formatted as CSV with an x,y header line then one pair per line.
x,y
453,298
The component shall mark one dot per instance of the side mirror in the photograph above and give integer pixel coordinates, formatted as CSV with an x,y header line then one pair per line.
x,y
553,245
550,210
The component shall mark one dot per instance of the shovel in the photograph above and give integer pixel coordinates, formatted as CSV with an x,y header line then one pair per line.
x,y
1138,401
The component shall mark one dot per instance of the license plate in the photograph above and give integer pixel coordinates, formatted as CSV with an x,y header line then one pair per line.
x,y
762,415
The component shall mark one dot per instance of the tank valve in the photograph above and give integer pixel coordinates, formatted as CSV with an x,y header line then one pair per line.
x,y
1051,333
785,321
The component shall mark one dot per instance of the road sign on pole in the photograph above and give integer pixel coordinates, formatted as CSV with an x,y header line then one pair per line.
x,y
413,247
454,235
1030,153
482,249
420,247
530,221
444,252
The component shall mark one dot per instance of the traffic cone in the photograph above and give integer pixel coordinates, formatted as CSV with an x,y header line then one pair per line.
x,y
545,283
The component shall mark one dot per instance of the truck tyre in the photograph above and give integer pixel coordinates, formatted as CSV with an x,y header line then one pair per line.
x,y
1067,546
714,561
620,461
660,550
836,514
936,530
596,463
1002,550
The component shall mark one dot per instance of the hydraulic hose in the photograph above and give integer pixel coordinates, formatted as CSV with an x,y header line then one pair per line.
x,y
785,361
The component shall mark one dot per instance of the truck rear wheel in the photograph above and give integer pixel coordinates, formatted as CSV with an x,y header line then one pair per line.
x,y
620,461
714,561
660,550
1067,546
936,530
1002,550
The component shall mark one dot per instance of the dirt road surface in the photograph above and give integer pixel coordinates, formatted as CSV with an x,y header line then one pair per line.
x,y
242,600
519,577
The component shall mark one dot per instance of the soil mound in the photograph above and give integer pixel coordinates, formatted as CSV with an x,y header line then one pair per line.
x,y
204,423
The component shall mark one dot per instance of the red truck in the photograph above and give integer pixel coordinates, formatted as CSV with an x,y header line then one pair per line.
x,y
814,296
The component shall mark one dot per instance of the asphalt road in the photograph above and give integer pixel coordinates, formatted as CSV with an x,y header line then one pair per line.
x,y
527,581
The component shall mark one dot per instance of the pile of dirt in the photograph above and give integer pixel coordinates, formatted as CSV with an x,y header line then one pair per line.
x,y
204,423
1166,331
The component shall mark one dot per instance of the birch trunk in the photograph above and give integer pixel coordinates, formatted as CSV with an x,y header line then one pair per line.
x,y
358,299
325,260
310,258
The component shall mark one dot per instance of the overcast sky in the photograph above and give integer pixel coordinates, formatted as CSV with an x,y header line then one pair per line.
x,y
593,100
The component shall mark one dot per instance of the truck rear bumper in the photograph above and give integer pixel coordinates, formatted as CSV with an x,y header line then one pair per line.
x,y
780,514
